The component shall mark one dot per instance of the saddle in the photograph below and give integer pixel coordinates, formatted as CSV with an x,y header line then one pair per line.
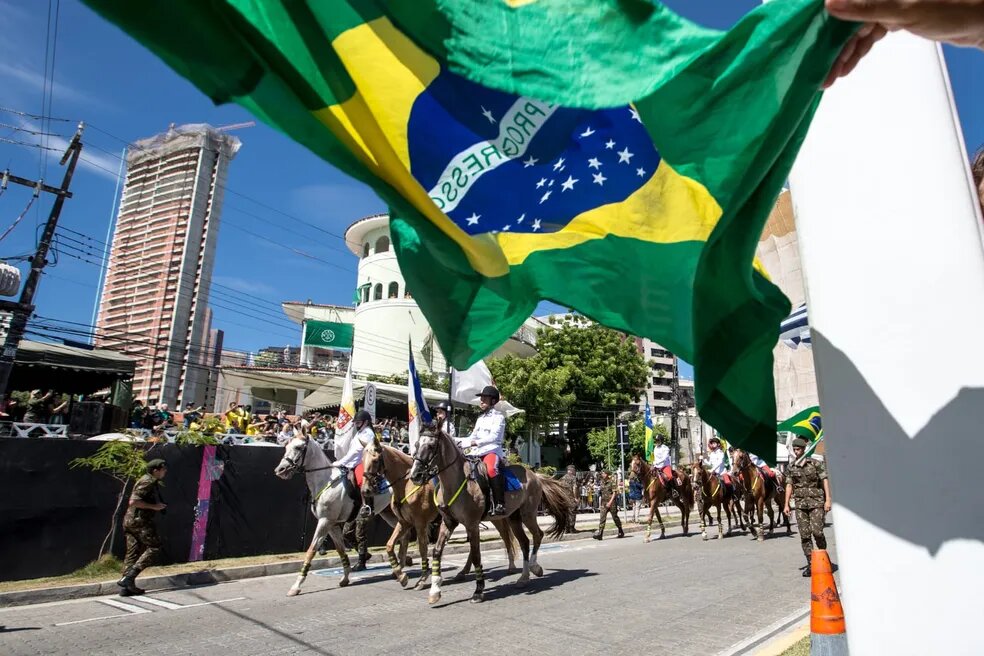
x,y
480,474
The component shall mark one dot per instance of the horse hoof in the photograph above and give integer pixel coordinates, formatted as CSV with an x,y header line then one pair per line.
x,y
704,536
293,592
513,570
536,570
647,540
434,598
478,598
404,580
421,584
761,538
344,582
522,583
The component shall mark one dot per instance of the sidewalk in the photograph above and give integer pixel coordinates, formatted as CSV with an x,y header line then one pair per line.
x,y
586,524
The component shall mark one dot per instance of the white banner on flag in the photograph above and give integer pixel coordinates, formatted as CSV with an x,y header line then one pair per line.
x,y
466,386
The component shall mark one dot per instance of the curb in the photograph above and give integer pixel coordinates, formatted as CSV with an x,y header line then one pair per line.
x,y
213,576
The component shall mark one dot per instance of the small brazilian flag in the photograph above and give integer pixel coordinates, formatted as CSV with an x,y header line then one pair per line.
x,y
607,155
806,423
650,439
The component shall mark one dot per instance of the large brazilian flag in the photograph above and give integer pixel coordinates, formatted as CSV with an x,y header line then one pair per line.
x,y
607,155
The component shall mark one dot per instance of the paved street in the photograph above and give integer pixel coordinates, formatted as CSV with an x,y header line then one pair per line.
x,y
680,596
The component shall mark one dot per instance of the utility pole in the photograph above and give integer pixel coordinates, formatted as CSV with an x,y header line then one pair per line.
x,y
675,412
22,310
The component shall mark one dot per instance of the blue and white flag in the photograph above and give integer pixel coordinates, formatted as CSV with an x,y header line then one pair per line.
x,y
794,330
416,405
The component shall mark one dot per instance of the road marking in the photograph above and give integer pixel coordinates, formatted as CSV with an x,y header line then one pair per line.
x,y
136,610
130,608
159,602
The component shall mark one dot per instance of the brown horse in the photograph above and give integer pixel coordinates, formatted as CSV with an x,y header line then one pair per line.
x,y
414,508
655,492
760,492
462,501
711,491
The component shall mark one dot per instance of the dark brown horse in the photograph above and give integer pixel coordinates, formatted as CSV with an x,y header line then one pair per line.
x,y
760,492
711,491
656,493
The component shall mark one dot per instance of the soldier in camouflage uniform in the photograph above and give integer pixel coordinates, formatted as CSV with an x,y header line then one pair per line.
x,y
807,483
606,502
570,482
143,545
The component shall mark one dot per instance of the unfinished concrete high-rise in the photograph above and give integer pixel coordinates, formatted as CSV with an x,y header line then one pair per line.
x,y
155,298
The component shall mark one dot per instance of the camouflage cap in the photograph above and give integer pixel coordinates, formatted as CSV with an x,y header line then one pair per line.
x,y
800,441
155,464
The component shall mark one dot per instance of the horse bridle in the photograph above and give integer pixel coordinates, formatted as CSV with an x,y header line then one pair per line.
x,y
430,468
298,466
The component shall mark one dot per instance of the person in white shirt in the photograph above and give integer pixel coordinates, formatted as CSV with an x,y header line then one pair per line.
x,y
717,462
663,464
762,465
486,441
442,418
352,460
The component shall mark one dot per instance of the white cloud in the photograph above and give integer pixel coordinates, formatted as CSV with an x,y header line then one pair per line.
x,y
246,286
35,80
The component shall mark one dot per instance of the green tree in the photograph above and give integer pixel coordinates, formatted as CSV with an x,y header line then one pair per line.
x,y
541,392
607,375
121,460
267,359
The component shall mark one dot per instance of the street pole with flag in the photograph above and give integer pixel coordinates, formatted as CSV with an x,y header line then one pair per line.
x,y
650,440
417,409
345,426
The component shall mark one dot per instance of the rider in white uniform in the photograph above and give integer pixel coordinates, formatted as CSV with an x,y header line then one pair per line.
x,y
715,460
486,441
663,463
364,434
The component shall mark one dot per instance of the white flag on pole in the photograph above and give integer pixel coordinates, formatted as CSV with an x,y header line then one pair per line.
x,y
467,384
345,426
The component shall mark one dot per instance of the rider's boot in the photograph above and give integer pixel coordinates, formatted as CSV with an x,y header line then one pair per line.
x,y
128,585
498,485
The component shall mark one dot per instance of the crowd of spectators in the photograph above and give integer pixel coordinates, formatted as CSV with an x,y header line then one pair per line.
x,y
36,407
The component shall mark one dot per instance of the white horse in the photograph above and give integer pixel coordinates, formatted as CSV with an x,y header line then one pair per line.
x,y
331,502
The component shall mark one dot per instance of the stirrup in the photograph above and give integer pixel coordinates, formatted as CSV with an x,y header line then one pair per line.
x,y
365,510
498,509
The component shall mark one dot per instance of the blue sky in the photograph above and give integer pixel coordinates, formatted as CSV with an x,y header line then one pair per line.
x,y
281,193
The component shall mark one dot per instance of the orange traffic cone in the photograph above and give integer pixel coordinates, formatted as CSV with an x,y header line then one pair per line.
x,y
828,635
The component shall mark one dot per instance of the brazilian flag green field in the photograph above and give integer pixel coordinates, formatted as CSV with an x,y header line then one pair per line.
x,y
607,155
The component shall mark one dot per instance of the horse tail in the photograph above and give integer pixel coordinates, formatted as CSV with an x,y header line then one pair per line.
x,y
560,505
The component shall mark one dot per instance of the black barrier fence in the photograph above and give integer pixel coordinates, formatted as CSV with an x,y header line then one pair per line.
x,y
53,518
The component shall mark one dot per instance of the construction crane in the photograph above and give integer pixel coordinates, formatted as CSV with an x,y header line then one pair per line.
x,y
235,126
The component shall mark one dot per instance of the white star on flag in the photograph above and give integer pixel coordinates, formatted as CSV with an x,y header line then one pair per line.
x,y
559,166
593,163
609,144
542,182
473,219
545,196
505,228
640,172
487,114
569,183
588,132
527,163
635,114
521,218
625,155
599,178
536,224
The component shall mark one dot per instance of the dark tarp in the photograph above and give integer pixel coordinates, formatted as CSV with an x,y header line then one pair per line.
x,y
68,369
53,518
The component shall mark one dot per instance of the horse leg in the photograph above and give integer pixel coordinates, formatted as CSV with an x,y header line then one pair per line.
x,y
721,526
649,523
442,539
760,508
772,517
702,512
475,544
659,518
537,533
423,539
397,565
524,543
506,536
319,532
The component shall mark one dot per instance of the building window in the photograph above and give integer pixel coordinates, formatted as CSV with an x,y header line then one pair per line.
x,y
377,292
406,293
653,352
365,293
382,244
394,290
365,249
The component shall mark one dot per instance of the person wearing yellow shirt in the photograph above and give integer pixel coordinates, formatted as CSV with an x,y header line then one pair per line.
x,y
233,418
